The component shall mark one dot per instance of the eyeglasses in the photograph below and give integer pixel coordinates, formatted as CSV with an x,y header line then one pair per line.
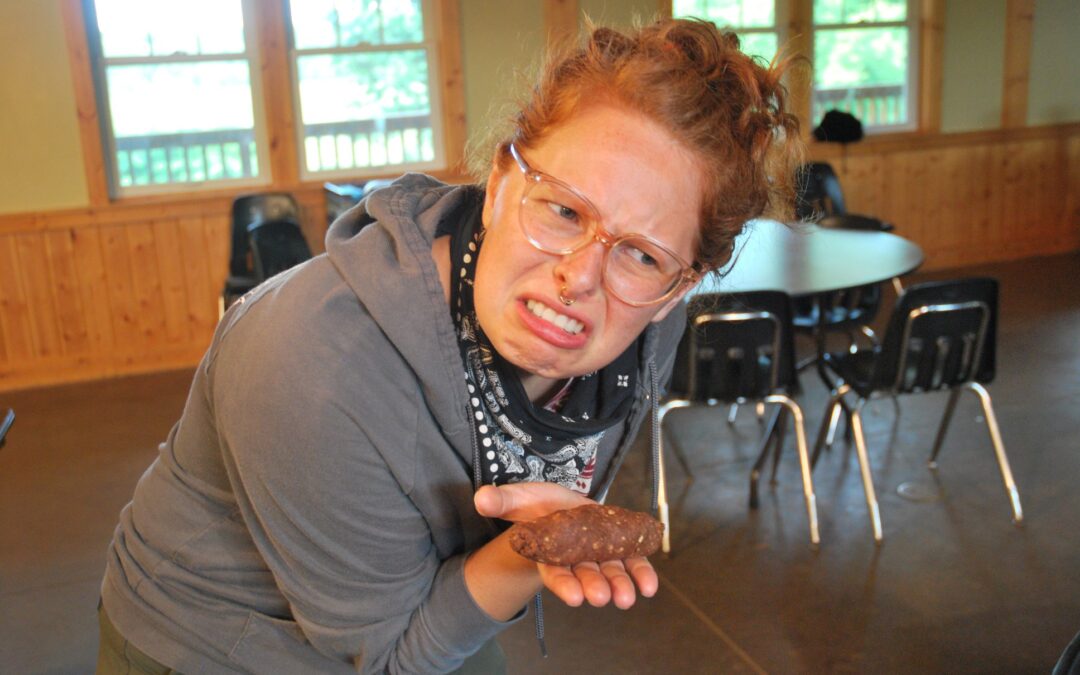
x,y
558,219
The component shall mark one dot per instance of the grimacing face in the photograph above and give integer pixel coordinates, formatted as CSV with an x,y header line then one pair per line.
x,y
642,182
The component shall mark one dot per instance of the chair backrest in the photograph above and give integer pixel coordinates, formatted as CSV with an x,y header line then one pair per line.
x,y
248,210
941,334
737,346
276,246
818,192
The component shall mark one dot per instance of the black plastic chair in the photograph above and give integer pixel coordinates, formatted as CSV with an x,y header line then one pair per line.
x,y
941,335
820,199
272,220
1069,661
276,246
739,348
5,425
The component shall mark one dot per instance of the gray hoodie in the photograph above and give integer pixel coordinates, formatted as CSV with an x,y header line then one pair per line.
x,y
312,509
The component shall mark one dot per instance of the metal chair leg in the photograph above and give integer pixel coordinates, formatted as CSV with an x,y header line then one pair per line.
x,y
778,442
864,469
954,394
763,455
834,419
823,431
999,449
804,462
661,499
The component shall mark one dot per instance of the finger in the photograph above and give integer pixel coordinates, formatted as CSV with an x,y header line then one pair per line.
x,y
594,584
490,501
641,570
622,587
562,582
524,501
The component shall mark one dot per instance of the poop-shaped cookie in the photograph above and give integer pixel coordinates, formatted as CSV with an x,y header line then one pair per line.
x,y
593,532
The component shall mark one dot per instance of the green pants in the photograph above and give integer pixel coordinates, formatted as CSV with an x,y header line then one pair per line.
x,y
117,656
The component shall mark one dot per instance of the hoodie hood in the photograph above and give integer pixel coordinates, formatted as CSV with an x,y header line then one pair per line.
x,y
382,250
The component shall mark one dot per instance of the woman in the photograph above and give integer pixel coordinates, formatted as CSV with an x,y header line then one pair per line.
x,y
318,507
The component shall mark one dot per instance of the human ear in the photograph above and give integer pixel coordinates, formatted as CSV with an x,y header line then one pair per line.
x,y
666,308
491,189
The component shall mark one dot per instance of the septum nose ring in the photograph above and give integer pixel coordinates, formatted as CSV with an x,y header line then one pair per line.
x,y
563,299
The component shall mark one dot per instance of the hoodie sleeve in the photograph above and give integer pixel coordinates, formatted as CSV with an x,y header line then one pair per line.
x,y
320,443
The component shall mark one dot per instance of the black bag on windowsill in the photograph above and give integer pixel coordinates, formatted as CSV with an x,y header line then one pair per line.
x,y
838,126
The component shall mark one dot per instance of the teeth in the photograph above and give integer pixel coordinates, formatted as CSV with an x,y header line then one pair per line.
x,y
572,326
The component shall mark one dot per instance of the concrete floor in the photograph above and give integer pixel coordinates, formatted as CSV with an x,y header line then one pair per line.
x,y
955,588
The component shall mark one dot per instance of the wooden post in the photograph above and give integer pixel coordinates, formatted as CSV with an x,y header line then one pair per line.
x,y
560,21
799,43
448,20
277,94
931,64
82,77
1019,17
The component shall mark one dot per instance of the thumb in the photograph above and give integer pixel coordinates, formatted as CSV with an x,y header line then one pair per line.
x,y
489,501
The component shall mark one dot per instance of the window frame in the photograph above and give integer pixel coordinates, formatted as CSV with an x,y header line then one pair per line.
x,y
780,19
99,65
913,76
433,49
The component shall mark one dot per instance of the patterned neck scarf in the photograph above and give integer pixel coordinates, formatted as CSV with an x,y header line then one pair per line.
x,y
520,441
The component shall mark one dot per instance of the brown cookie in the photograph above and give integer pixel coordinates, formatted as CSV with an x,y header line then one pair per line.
x,y
593,532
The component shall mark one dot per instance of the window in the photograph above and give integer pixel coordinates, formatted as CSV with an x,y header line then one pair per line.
x,y
362,73
864,61
176,93
753,20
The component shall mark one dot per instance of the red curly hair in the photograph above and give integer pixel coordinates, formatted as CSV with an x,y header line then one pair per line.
x,y
725,107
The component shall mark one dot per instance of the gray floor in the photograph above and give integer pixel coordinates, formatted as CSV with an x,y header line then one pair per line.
x,y
955,588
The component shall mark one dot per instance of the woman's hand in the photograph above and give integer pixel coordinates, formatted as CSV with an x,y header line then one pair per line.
x,y
616,581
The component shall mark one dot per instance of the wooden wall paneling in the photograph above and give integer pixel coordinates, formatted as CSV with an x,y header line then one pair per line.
x,y
312,203
953,221
146,286
170,267
14,308
217,233
124,308
70,311
975,197
93,289
201,295
34,267
1071,224
996,179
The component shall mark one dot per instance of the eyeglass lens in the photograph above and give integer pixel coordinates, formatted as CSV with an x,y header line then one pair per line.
x,y
558,221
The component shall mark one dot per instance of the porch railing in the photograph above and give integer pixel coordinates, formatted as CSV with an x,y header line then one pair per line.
x,y
874,106
361,144
186,157
200,156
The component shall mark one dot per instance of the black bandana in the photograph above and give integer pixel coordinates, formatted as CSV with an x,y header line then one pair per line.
x,y
520,441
